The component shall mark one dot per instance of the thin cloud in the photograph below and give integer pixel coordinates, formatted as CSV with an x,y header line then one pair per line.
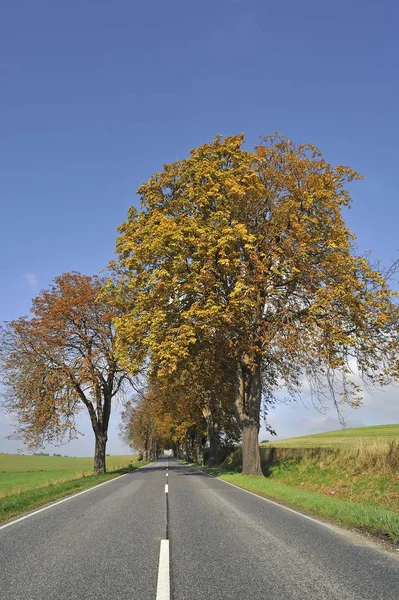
x,y
32,280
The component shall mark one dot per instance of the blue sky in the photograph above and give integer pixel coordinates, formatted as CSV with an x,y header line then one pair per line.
x,y
97,95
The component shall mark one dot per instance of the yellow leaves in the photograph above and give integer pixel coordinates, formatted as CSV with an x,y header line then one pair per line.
x,y
331,245
224,262
250,247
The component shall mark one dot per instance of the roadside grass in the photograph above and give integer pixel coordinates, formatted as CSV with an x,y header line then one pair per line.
x,y
360,472
341,475
44,486
364,516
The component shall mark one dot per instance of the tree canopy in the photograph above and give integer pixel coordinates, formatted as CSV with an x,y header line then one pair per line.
x,y
236,277
248,252
62,360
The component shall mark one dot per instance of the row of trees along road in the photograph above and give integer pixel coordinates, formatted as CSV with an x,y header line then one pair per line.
x,y
236,278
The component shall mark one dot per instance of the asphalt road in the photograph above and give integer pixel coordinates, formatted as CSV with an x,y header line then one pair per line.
x,y
225,544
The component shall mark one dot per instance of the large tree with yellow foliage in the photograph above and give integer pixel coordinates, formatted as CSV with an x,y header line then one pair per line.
x,y
248,250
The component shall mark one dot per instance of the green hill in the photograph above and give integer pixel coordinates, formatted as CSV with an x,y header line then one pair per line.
x,y
341,437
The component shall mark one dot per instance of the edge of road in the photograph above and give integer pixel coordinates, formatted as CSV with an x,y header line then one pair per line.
x,y
355,535
36,511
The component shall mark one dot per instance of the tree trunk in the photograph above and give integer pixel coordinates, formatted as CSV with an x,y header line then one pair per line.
x,y
248,402
213,445
99,455
250,451
154,451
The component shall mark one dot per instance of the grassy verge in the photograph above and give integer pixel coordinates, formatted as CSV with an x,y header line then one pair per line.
x,y
364,516
13,505
361,473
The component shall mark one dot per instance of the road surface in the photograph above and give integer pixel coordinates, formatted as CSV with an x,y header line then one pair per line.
x,y
224,544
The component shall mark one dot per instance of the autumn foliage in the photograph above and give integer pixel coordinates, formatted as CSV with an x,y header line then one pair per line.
x,y
237,277
61,361
183,412
247,252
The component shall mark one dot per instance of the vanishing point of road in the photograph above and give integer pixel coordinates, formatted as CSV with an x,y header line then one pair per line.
x,y
167,531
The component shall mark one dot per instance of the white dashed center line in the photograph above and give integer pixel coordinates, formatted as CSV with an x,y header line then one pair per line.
x,y
163,586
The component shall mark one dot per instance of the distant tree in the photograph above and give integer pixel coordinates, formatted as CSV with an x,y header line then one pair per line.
x,y
250,247
140,427
62,360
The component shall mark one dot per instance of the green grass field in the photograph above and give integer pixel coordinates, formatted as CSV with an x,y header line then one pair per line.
x,y
27,482
340,437
22,473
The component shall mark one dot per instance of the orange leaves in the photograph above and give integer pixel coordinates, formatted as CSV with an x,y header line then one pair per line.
x,y
60,359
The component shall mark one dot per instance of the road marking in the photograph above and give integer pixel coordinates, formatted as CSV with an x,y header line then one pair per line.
x,y
68,498
163,586
36,512
334,527
167,474
166,488
296,512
